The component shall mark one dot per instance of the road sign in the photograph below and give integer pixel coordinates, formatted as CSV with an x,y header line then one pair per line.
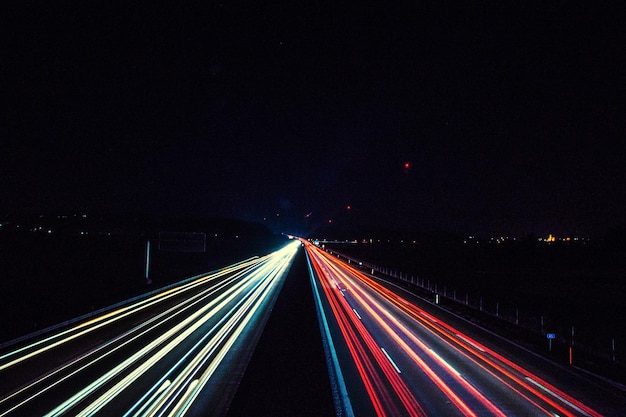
x,y
182,241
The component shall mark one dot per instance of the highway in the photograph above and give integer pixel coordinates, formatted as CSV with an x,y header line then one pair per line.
x,y
390,355
184,350
177,351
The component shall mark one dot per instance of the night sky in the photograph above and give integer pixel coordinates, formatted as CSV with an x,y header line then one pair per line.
x,y
511,115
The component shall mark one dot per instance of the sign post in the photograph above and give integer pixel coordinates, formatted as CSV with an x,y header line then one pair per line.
x,y
148,280
550,336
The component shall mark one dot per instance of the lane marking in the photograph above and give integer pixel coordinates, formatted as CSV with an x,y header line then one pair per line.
x,y
343,406
557,396
391,360
469,342
357,314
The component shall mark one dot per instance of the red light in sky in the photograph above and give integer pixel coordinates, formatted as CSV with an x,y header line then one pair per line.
x,y
407,165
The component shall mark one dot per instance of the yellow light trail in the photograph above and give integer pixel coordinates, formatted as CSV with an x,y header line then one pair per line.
x,y
240,318
234,297
103,320
42,385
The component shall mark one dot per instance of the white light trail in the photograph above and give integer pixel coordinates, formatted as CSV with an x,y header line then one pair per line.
x,y
555,395
233,297
103,320
42,385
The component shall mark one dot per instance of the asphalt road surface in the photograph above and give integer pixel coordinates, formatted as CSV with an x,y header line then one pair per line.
x,y
294,333
397,355
180,350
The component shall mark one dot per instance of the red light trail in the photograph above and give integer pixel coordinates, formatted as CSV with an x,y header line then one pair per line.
x,y
468,375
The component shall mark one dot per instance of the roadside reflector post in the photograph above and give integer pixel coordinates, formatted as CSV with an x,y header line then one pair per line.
x,y
613,349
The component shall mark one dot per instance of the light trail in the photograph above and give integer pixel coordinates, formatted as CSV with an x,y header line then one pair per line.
x,y
242,315
362,348
190,325
185,402
377,311
47,381
480,352
59,339
456,364
343,405
209,315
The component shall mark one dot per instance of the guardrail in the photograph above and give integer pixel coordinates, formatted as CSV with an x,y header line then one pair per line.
x,y
553,339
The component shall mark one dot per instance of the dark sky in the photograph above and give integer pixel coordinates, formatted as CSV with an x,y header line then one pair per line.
x,y
510,115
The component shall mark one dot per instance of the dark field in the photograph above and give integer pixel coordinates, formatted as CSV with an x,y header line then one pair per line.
x,y
48,279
